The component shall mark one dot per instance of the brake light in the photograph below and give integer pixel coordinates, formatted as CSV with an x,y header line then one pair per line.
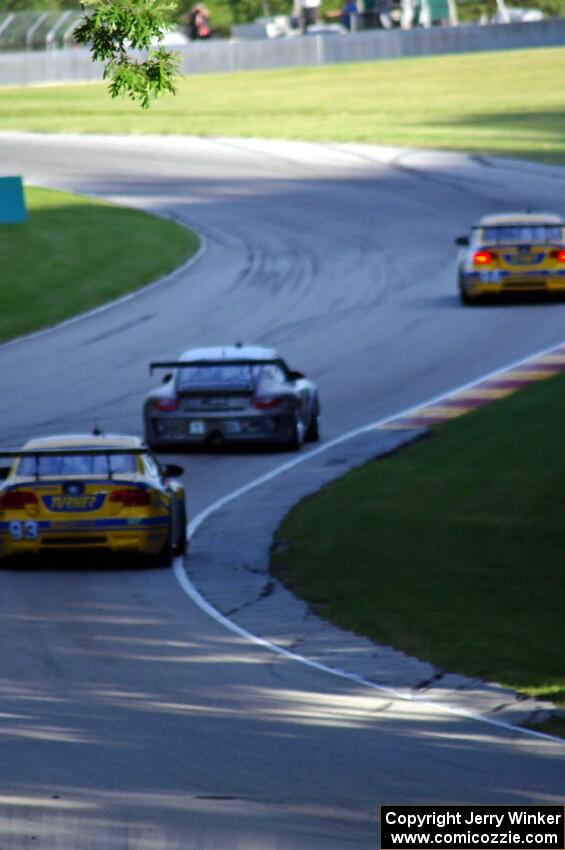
x,y
166,405
266,403
482,258
131,498
17,500
559,256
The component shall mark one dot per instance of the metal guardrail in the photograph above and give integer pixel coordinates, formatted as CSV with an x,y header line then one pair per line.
x,y
28,67
367,46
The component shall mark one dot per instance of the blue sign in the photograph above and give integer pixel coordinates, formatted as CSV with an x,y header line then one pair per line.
x,y
12,202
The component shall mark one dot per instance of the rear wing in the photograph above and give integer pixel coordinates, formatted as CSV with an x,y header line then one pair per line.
x,y
14,454
186,364
519,224
546,240
87,450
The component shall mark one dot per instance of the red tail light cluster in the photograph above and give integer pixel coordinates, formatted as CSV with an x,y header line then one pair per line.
x,y
17,500
266,403
482,258
166,405
558,255
131,498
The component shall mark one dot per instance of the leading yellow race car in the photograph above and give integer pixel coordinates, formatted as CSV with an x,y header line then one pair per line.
x,y
512,252
90,492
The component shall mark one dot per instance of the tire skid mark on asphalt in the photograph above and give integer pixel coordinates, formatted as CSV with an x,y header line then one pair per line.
x,y
497,385
484,390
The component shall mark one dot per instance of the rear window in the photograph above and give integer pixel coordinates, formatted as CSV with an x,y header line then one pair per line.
x,y
221,375
539,233
77,465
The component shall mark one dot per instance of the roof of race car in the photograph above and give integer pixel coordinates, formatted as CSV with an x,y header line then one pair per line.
x,y
229,352
87,441
501,219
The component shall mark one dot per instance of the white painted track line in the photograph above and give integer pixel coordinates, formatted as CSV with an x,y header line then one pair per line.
x,y
198,599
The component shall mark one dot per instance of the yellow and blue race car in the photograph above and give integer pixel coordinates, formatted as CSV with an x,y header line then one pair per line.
x,y
512,252
90,492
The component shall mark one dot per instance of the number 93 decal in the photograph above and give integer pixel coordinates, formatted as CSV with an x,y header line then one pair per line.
x,y
28,530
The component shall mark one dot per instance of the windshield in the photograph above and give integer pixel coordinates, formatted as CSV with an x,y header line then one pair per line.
x,y
77,465
222,375
539,233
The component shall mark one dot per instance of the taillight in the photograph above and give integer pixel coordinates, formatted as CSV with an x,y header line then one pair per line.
x,y
266,403
559,256
17,500
482,258
131,498
166,405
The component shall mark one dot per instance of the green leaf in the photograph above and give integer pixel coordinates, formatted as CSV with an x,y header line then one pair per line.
x,y
118,33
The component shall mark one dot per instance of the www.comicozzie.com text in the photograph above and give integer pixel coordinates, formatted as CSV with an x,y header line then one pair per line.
x,y
485,839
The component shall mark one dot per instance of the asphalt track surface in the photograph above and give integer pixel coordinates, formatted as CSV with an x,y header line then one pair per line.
x,y
128,717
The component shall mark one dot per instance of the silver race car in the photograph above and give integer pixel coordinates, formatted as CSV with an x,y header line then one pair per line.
x,y
236,393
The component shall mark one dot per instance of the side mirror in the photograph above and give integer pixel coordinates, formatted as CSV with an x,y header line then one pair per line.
x,y
167,377
296,375
172,470
463,241
4,472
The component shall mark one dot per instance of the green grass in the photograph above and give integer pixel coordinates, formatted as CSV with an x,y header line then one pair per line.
x,y
73,254
452,549
510,103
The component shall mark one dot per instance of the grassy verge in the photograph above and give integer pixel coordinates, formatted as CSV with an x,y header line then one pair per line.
x,y
508,103
73,254
451,550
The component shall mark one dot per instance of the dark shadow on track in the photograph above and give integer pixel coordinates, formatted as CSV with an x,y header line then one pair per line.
x,y
100,560
520,299
234,449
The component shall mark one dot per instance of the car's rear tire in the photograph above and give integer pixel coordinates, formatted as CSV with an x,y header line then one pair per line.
x,y
313,433
467,299
164,556
294,442
181,543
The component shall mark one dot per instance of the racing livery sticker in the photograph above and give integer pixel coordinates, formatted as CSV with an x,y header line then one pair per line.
x,y
90,502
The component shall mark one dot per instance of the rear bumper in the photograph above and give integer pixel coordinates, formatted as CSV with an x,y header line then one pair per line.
x,y
500,282
66,536
199,430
